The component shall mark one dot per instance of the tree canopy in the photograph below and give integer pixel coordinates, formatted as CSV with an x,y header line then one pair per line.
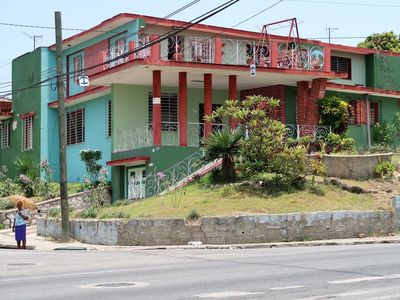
x,y
388,41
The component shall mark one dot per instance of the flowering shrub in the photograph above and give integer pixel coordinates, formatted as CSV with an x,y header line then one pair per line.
x,y
7,185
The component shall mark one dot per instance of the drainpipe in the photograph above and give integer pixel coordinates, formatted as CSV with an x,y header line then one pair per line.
x,y
368,122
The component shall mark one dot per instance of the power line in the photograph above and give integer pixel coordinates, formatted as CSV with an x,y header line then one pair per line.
x,y
255,15
346,3
9,83
172,32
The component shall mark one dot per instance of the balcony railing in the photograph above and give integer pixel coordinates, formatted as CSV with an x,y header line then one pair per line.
x,y
111,54
297,131
189,49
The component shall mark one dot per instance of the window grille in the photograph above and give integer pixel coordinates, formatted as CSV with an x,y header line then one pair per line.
x,y
75,126
5,135
169,110
341,65
27,133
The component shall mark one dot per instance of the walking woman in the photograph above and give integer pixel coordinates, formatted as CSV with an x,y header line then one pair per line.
x,y
19,226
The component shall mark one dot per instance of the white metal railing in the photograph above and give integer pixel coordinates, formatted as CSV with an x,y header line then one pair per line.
x,y
196,132
297,131
110,54
133,138
170,133
189,49
245,52
300,57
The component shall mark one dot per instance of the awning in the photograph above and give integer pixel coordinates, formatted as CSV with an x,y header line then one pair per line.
x,y
136,160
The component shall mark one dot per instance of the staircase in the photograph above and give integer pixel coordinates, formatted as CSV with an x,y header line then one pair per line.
x,y
179,175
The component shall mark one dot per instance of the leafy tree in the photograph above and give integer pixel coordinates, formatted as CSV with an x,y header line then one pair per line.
x,y
388,41
224,145
90,158
334,112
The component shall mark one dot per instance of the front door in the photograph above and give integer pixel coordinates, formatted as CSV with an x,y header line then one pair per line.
x,y
136,183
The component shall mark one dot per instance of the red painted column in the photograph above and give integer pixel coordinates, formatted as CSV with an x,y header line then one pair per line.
x,y
232,96
156,107
155,49
207,103
218,50
273,52
327,59
131,47
183,134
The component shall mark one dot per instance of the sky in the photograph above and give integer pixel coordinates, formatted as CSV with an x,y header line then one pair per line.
x,y
347,18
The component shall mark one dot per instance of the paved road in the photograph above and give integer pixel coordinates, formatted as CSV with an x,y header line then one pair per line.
x,y
339,272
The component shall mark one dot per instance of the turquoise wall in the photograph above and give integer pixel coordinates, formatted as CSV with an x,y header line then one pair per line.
x,y
95,138
131,30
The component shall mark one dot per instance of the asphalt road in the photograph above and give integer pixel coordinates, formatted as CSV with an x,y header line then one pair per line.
x,y
336,272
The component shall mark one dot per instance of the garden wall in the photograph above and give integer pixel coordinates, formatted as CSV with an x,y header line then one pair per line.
x,y
353,166
229,230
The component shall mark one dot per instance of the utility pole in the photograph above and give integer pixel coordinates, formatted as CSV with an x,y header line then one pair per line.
x,y
329,30
61,130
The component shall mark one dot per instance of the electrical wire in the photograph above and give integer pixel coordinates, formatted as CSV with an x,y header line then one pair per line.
x,y
165,36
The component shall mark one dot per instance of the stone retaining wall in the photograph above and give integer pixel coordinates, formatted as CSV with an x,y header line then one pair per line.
x,y
229,230
353,166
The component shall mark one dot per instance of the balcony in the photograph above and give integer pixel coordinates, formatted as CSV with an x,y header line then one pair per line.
x,y
215,50
140,137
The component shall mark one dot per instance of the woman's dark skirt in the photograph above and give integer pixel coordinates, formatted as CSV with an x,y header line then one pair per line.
x,y
20,232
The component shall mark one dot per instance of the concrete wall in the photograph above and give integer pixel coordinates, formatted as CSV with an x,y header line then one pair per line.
x,y
353,166
228,230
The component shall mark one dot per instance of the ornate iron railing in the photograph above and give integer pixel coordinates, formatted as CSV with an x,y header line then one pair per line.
x,y
245,52
196,132
133,138
189,49
297,131
300,57
161,181
170,133
110,54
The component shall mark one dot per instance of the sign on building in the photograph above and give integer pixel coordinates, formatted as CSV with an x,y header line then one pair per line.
x,y
84,80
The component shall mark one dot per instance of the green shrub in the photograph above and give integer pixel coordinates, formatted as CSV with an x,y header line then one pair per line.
x,y
2,226
335,112
90,212
115,215
54,212
6,204
316,189
121,203
193,215
385,169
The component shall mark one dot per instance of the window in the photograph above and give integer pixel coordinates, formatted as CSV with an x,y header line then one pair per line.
x,y
341,65
120,46
75,126
356,107
109,116
27,133
4,135
374,113
77,67
169,111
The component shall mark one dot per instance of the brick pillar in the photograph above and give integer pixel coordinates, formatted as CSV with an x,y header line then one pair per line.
x,y
327,59
273,52
232,96
207,103
156,107
218,50
363,111
183,134
306,107
131,47
155,49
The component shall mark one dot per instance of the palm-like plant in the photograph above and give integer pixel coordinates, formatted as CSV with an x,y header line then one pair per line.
x,y
224,145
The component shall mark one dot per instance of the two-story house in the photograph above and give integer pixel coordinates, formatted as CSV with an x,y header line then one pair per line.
x,y
144,107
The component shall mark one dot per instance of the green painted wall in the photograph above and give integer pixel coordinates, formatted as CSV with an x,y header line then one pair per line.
x,y
26,72
290,102
376,77
161,158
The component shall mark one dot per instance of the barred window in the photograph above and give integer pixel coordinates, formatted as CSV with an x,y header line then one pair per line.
x,y
169,111
374,113
5,135
109,116
341,65
27,133
75,126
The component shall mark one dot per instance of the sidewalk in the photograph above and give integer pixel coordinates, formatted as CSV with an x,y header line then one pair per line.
x,y
35,242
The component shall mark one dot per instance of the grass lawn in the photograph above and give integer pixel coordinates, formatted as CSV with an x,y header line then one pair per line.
x,y
225,200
